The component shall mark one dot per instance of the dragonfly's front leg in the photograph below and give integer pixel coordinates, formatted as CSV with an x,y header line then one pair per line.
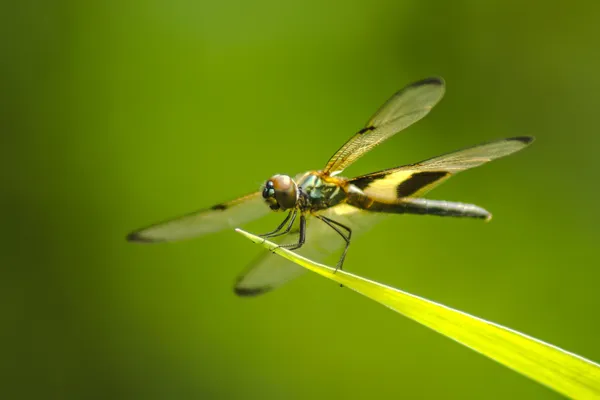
x,y
301,238
292,215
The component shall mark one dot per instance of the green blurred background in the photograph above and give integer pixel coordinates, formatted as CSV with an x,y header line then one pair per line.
x,y
118,114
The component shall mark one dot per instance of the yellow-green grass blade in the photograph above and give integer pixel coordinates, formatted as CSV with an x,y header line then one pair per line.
x,y
564,372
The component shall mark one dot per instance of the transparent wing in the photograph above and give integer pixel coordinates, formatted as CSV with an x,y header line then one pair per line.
x,y
218,217
416,179
270,271
405,107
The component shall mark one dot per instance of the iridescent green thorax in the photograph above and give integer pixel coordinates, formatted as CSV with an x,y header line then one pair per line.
x,y
317,194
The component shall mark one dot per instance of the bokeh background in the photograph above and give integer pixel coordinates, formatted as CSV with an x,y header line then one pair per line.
x,y
116,114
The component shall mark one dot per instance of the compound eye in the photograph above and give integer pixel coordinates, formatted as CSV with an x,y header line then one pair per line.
x,y
268,191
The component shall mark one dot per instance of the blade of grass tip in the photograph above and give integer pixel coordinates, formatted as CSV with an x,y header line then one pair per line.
x,y
564,372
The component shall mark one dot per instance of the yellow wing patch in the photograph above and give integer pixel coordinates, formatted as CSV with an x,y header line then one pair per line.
x,y
390,186
415,180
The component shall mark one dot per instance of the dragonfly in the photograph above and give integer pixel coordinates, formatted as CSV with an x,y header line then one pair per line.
x,y
324,210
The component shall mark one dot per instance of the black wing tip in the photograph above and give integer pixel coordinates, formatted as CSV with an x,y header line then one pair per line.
x,y
432,80
137,237
251,292
523,139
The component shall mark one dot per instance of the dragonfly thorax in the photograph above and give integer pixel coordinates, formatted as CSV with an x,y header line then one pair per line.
x,y
281,193
319,192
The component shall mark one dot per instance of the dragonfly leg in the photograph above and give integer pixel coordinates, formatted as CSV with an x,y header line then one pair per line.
x,y
302,236
292,215
332,224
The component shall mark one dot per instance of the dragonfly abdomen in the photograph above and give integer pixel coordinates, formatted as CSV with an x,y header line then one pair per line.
x,y
444,208
419,206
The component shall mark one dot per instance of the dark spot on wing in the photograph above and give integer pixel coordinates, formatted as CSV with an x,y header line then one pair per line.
x,y
251,292
363,182
418,181
219,207
366,129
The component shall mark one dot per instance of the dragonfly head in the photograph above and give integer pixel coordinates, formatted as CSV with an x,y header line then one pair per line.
x,y
280,192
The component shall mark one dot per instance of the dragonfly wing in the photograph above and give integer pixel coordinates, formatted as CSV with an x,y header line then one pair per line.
x,y
267,272
216,218
415,180
403,109
270,271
